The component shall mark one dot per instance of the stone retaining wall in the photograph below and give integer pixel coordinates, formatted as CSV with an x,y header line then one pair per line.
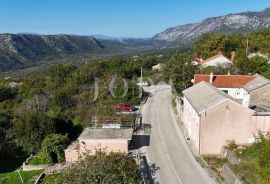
x,y
33,167
57,168
229,176
27,167
231,157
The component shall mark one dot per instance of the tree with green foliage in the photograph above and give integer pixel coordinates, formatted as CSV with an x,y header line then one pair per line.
x,y
32,85
180,71
53,145
262,66
210,44
89,71
62,99
31,128
5,136
103,168
149,61
254,65
259,41
60,73
7,93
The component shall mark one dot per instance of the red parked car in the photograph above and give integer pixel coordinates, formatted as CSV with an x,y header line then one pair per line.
x,y
124,107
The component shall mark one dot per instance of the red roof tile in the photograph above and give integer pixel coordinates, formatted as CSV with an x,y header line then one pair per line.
x,y
225,81
198,60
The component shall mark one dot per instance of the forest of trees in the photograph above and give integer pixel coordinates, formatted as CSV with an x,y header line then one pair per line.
x,y
56,107
242,45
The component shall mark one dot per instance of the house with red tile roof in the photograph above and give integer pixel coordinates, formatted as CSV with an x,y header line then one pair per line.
x,y
249,90
233,85
216,60
197,61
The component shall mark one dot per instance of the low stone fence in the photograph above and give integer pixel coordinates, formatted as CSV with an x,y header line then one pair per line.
x,y
29,158
229,176
231,157
57,168
27,167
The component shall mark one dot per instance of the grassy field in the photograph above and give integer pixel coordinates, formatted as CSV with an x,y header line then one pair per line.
x,y
215,161
215,164
52,179
9,174
14,178
37,161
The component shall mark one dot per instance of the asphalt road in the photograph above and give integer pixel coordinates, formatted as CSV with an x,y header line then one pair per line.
x,y
168,149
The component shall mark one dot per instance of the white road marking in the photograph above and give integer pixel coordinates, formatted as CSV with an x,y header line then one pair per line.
x,y
165,147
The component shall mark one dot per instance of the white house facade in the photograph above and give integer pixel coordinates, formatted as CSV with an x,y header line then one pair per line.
x,y
218,60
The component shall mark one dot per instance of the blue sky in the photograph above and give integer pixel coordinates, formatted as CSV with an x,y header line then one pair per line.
x,y
125,18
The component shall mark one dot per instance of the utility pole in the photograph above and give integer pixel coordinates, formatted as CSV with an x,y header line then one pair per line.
x,y
247,48
141,76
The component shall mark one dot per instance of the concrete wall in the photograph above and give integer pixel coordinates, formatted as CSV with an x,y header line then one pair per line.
x,y
229,176
191,123
236,93
33,167
231,157
246,99
261,96
262,123
108,145
71,155
227,121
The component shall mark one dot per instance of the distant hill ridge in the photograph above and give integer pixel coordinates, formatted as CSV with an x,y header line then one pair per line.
x,y
239,22
23,50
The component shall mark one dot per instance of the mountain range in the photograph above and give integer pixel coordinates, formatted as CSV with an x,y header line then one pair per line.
x,y
239,22
25,50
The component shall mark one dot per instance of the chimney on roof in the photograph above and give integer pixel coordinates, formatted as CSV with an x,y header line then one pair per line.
x,y
229,72
211,78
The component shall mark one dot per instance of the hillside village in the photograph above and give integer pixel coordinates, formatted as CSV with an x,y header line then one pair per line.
x,y
216,111
217,108
155,116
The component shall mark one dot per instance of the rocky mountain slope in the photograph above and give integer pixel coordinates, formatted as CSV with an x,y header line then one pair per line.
x,y
241,22
24,50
